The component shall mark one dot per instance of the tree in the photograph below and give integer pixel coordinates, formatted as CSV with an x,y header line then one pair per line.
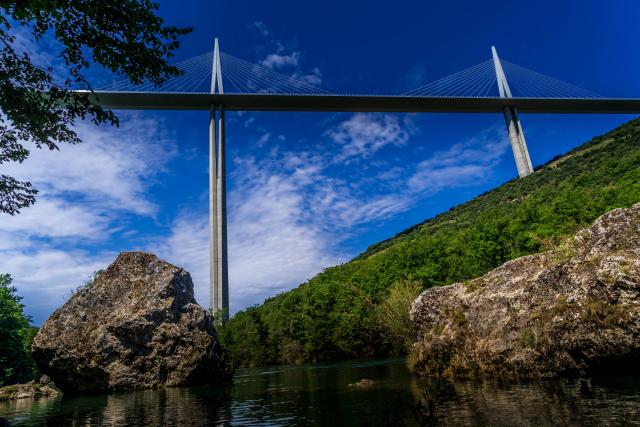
x,y
38,106
16,335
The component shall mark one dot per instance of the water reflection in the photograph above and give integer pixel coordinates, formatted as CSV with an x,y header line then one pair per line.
x,y
320,395
558,402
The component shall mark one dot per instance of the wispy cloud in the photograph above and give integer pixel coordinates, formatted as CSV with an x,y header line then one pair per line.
x,y
45,275
289,211
284,57
416,76
112,168
25,43
278,60
313,78
261,28
362,135
272,244
87,191
465,163
287,218
264,138
54,217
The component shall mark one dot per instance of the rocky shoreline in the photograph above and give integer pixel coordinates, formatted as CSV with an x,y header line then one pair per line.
x,y
569,312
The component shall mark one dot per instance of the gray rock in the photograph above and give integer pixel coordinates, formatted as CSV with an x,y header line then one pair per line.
x,y
571,311
30,390
136,326
362,384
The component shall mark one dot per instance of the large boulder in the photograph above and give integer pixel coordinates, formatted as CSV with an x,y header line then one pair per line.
x,y
574,310
135,326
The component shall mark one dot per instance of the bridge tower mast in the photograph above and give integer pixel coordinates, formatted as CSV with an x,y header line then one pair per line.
x,y
218,262
514,127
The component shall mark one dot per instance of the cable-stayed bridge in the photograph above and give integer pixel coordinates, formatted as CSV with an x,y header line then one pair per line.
x,y
217,81
253,87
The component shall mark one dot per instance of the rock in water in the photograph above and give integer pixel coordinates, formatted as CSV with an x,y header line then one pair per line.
x,y
31,390
135,326
571,311
363,384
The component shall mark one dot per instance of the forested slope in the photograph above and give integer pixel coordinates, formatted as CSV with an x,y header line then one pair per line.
x,y
332,316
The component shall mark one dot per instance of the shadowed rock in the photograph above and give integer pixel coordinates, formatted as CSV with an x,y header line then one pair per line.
x,y
136,326
30,390
362,384
571,311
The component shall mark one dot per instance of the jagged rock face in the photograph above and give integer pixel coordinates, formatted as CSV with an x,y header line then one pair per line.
x,y
571,311
136,326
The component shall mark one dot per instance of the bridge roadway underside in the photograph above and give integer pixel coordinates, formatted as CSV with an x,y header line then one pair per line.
x,y
361,103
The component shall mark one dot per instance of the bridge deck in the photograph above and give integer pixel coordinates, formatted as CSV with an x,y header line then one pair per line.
x,y
360,103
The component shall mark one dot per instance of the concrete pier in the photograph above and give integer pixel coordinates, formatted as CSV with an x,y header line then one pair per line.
x,y
218,274
514,127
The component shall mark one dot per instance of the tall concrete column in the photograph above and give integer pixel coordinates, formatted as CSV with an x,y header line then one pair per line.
x,y
518,143
514,127
218,273
223,260
214,301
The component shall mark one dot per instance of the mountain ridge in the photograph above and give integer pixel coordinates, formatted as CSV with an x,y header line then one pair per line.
x,y
332,315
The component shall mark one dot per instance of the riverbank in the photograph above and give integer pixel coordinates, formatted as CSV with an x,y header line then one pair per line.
x,y
333,316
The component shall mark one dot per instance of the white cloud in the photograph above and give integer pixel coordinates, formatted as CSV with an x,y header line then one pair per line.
x,y
466,163
314,78
44,276
278,60
286,59
188,247
24,42
112,167
41,52
288,214
352,211
364,134
54,217
264,138
261,27
86,190
287,218
249,121
272,245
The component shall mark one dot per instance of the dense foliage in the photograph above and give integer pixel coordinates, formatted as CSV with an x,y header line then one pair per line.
x,y
332,316
37,104
392,314
16,364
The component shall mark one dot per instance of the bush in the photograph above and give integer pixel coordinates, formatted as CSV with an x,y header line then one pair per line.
x,y
392,315
16,335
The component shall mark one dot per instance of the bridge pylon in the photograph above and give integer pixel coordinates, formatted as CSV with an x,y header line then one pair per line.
x,y
218,261
514,127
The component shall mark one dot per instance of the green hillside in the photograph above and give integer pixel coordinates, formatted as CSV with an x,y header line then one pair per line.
x,y
332,316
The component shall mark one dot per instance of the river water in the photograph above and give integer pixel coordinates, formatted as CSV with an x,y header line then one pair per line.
x,y
321,395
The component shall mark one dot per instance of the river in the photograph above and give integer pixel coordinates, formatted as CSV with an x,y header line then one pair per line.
x,y
320,395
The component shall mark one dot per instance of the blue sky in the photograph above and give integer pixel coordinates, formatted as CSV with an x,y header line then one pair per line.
x,y
308,190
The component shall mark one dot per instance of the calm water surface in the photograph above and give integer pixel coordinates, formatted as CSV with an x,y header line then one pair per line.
x,y
320,395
